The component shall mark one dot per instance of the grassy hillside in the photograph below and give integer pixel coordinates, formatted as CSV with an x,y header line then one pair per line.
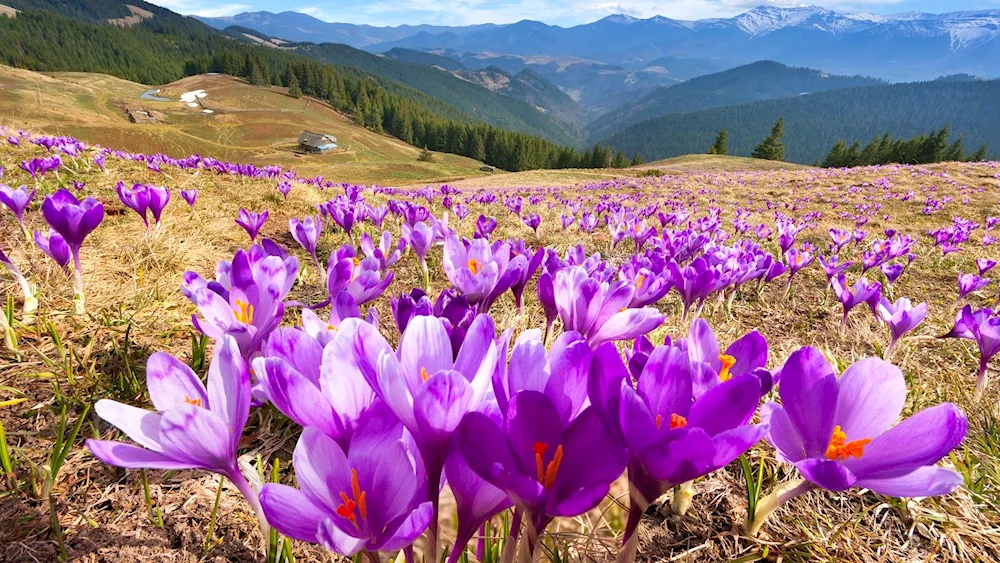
x,y
491,107
762,80
251,124
814,122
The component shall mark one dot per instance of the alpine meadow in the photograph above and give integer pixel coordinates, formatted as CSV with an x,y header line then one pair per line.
x,y
384,281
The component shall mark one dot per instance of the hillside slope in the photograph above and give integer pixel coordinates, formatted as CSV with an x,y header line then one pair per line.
x,y
250,124
814,122
762,80
471,98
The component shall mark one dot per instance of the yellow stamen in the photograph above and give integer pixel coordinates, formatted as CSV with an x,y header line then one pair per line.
x,y
195,402
245,312
423,374
475,267
333,328
727,363
638,281
840,449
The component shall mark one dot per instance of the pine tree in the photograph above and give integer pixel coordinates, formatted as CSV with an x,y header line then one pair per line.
x,y
478,149
294,90
835,158
637,160
620,160
720,146
980,155
956,152
256,74
425,156
772,148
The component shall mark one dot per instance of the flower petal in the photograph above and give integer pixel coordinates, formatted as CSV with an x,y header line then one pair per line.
x,y
782,434
171,382
408,530
922,482
826,473
132,457
727,405
809,397
871,397
295,396
921,440
229,385
338,541
194,434
291,512
142,426
424,346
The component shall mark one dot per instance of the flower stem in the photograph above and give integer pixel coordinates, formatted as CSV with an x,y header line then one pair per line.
x,y
890,349
630,541
250,495
425,275
211,520
683,496
981,380
78,284
780,495
510,549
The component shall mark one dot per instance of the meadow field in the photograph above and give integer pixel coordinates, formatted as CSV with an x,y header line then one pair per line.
x,y
732,244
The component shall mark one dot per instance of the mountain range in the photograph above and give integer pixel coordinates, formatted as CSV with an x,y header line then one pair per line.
x,y
900,47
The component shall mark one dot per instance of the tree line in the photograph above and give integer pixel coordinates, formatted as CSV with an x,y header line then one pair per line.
x,y
922,149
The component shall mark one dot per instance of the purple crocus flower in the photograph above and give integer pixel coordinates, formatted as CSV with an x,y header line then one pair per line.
x,y
968,283
548,467
55,247
480,272
833,268
533,262
420,237
746,355
839,433
476,500
135,198
245,302
892,271
251,222
306,232
386,253
73,220
159,197
17,201
532,220
361,279
985,265
864,291
190,196
192,427
983,328
429,388
673,435
284,188
598,310
485,226
366,498
901,317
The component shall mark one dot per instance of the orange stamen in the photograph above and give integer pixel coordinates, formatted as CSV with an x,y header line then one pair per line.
x,y
475,267
677,421
639,280
727,363
553,468
358,503
190,401
659,421
423,374
540,450
840,449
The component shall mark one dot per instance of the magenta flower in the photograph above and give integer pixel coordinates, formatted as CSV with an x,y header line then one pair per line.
x,y
55,247
73,220
985,265
385,253
480,272
983,328
17,201
190,196
284,188
192,427
251,222
370,497
548,467
135,198
863,291
901,317
598,310
159,197
839,433
968,283
673,435
306,232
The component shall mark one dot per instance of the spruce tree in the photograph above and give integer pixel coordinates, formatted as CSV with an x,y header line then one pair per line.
x,y
980,155
772,148
720,146
637,160
294,90
956,152
425,156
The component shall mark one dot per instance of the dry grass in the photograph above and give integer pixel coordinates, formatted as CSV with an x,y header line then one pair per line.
x,y
135,308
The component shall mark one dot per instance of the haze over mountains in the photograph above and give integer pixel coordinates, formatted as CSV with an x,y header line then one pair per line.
x,y
901,47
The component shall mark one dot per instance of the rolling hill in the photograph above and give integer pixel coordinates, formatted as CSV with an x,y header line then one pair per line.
x,y
814,122
762,80
250,124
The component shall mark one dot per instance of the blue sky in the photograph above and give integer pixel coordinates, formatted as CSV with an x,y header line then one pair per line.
x,y
558,12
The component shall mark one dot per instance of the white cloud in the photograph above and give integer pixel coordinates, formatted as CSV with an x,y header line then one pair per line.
x,y
198,8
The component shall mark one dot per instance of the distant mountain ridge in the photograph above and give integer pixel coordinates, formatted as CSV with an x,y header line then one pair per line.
x,y
763,80
909,46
